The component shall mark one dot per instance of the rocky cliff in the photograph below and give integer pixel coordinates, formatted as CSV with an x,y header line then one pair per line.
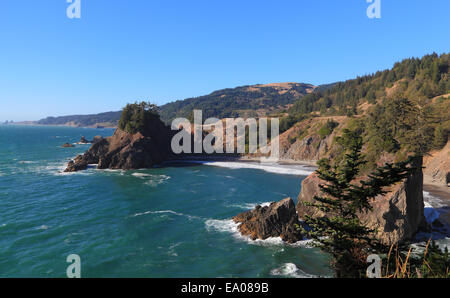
x,y
277,220
437,167
144,149
302,142
396,216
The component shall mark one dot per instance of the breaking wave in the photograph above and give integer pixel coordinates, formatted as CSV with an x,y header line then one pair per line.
x,y
167,212
431,204
299,170
290,270
229,226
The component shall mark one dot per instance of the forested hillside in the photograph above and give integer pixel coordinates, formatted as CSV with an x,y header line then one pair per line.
x,y
246,101
405,109
105,119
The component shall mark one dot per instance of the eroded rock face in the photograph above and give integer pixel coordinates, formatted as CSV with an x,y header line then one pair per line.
x,y
127,151
277,220
396,216
437,167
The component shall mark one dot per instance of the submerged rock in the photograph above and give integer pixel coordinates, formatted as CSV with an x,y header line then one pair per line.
x,y
67,145
277,220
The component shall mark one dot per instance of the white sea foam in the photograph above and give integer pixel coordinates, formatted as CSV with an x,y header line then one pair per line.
x,y
249,206
229,226
430,213
298,170
141,175
152,180
290,270
166,212
419,247
43,227
433,200
431,204
27,162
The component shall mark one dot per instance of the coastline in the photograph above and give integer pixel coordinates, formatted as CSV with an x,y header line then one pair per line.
x,y
31,123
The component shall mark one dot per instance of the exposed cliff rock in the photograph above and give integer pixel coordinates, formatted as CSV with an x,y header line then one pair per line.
x,y
124,150
396,216
277,220
437,167
303,143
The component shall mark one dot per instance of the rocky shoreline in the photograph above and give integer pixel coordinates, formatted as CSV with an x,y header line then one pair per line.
x,y
397,216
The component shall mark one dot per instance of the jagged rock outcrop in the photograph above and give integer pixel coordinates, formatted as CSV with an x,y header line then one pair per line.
x,y
277,220
96,139
437,167
396,216
83,140
123,150
303,143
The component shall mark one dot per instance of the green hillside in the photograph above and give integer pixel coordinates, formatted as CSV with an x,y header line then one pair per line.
x,y
246,101
404,109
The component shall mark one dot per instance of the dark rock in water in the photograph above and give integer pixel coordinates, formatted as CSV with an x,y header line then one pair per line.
x,y
123,150
67,145
77,165
277,220
83,140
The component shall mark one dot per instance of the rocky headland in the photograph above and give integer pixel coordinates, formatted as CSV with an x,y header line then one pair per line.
x,y
145,148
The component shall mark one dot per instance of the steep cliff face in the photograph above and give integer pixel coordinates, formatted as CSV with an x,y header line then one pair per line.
x,y
437,167
396,216
124,150
302,142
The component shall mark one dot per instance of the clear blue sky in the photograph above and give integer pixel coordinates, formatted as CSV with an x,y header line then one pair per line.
x,y
121,51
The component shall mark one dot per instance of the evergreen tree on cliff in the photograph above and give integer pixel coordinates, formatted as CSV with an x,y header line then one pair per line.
x,y
340,232
136,116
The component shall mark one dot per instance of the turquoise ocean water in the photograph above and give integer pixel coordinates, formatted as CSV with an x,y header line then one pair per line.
x,y
165,222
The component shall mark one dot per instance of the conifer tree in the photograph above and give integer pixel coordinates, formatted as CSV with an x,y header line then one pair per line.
x,y
340,231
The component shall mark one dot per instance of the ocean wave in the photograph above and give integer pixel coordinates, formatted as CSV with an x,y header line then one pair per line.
x,y
229,226
27,162
141,175
431,204
430,213
167,212
298,170
248,206
42,228
290,270
152,180
433,200
419,248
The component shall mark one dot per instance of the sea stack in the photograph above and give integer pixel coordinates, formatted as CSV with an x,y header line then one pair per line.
x,y
140,142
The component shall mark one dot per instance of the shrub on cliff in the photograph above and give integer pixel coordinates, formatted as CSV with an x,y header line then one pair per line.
x,y
340,232
327,129
135,117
